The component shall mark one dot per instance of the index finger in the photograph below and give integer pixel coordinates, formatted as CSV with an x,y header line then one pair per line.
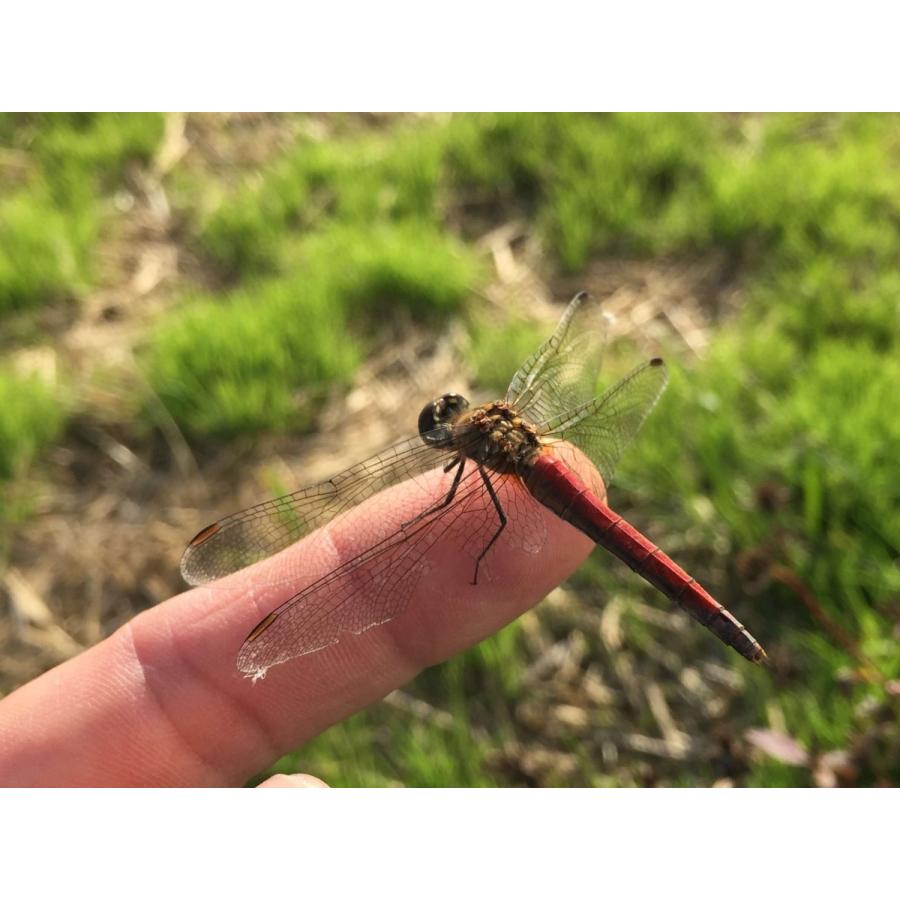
x,y
160,702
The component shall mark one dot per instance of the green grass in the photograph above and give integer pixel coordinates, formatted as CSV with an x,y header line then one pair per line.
x,y
265,356
623,183
481,682
57,175
44,250
627,182
79,156
52,199
632,183
330,242
30,417
672,183
359,182
361,751
498,348
757,414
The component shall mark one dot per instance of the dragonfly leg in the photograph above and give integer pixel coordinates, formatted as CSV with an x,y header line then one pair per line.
x,y
500,514
460,463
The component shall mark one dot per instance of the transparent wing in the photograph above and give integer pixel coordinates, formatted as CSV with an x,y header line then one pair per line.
x,y
376,585
259,531
562,373
603,427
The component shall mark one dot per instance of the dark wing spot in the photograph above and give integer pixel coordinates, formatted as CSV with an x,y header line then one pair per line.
x,y
261,627
203,536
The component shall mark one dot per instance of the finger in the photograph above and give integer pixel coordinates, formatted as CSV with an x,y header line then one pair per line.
x,y
160,702
293,781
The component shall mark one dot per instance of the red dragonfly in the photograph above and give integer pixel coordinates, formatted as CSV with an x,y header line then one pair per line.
x,y
530,443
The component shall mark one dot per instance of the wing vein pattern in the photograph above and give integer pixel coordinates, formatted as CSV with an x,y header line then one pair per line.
x,y
255,533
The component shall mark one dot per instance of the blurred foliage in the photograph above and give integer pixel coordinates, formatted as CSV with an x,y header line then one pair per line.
x,y
361,182
56,170
626,183
777,449
57,174
264,356
497,349
43,248
233,364
30,417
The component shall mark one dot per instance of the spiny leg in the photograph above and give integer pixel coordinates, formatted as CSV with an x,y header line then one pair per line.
x,y
458,461
500,514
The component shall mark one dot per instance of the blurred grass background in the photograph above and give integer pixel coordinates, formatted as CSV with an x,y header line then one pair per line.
x,y
191,306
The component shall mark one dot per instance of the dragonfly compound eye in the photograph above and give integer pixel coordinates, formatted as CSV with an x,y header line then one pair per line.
x,y
437,416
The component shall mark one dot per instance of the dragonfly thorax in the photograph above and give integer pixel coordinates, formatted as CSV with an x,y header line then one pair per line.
x,y
496,436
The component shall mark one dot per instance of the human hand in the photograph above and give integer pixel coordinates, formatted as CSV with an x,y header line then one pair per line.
x,y
160,702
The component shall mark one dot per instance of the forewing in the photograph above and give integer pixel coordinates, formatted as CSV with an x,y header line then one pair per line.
x,y
257,532
562,373
367,590
603,427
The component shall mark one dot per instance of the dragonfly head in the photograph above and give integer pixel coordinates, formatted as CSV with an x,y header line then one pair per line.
x,y
437,417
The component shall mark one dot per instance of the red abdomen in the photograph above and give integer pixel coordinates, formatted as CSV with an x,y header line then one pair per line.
x,y
561,490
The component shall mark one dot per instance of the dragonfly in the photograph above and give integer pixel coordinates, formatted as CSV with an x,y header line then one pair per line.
x,y
524,447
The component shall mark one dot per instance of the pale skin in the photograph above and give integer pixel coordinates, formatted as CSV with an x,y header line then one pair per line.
x,y
160,702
